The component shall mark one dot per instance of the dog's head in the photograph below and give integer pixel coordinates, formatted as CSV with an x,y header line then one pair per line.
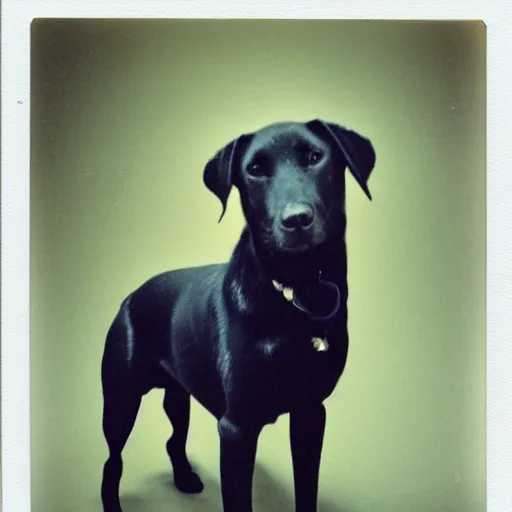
x,y
291,181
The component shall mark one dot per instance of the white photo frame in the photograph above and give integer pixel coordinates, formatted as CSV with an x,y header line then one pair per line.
x,y
16,18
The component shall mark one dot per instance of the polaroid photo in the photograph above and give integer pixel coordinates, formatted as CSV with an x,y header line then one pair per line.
x,y
255,257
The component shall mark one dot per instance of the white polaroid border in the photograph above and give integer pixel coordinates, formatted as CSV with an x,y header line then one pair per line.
x,y
16,18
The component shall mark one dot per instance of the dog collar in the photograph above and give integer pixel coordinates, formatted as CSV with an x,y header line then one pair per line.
x,y
319,343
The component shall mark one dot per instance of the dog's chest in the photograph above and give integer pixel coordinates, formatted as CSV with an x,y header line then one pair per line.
x,y
283,373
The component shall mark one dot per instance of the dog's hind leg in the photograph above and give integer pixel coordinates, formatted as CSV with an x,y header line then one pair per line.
x,y
119,414
122,396
177,408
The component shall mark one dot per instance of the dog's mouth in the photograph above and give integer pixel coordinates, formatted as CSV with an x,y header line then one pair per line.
x,y
299,242
290,251
296,249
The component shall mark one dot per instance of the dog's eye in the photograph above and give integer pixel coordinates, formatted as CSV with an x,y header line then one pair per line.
x,y
314,156
256,169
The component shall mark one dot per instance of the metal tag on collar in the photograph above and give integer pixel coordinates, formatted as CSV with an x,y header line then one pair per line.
x,y
320,344
285,290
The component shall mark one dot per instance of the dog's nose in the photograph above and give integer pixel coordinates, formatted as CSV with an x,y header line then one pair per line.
x,y
297,216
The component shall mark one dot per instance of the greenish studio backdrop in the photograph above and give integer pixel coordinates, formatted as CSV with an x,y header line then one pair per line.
x,y
125,114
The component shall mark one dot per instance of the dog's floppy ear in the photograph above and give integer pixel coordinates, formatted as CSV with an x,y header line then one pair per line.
x,y
219,172
357,150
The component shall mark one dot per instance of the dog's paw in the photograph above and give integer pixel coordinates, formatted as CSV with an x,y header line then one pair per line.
x,y
189,482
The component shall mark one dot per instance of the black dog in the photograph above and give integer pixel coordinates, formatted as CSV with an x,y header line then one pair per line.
x,y
260,336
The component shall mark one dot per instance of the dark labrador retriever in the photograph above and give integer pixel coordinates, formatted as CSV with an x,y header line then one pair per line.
x,y
260,336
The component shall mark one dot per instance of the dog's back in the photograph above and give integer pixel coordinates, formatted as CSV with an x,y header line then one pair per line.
x,y
158,325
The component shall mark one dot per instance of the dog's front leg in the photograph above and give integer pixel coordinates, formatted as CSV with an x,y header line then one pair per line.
x,y
237,457
307,427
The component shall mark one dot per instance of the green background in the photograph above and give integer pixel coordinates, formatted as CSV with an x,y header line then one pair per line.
x,y
125,114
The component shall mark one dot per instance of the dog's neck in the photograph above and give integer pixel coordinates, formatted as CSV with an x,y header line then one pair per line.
x,y
256,271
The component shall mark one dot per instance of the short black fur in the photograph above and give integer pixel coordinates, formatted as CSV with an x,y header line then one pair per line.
x,y
223,333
